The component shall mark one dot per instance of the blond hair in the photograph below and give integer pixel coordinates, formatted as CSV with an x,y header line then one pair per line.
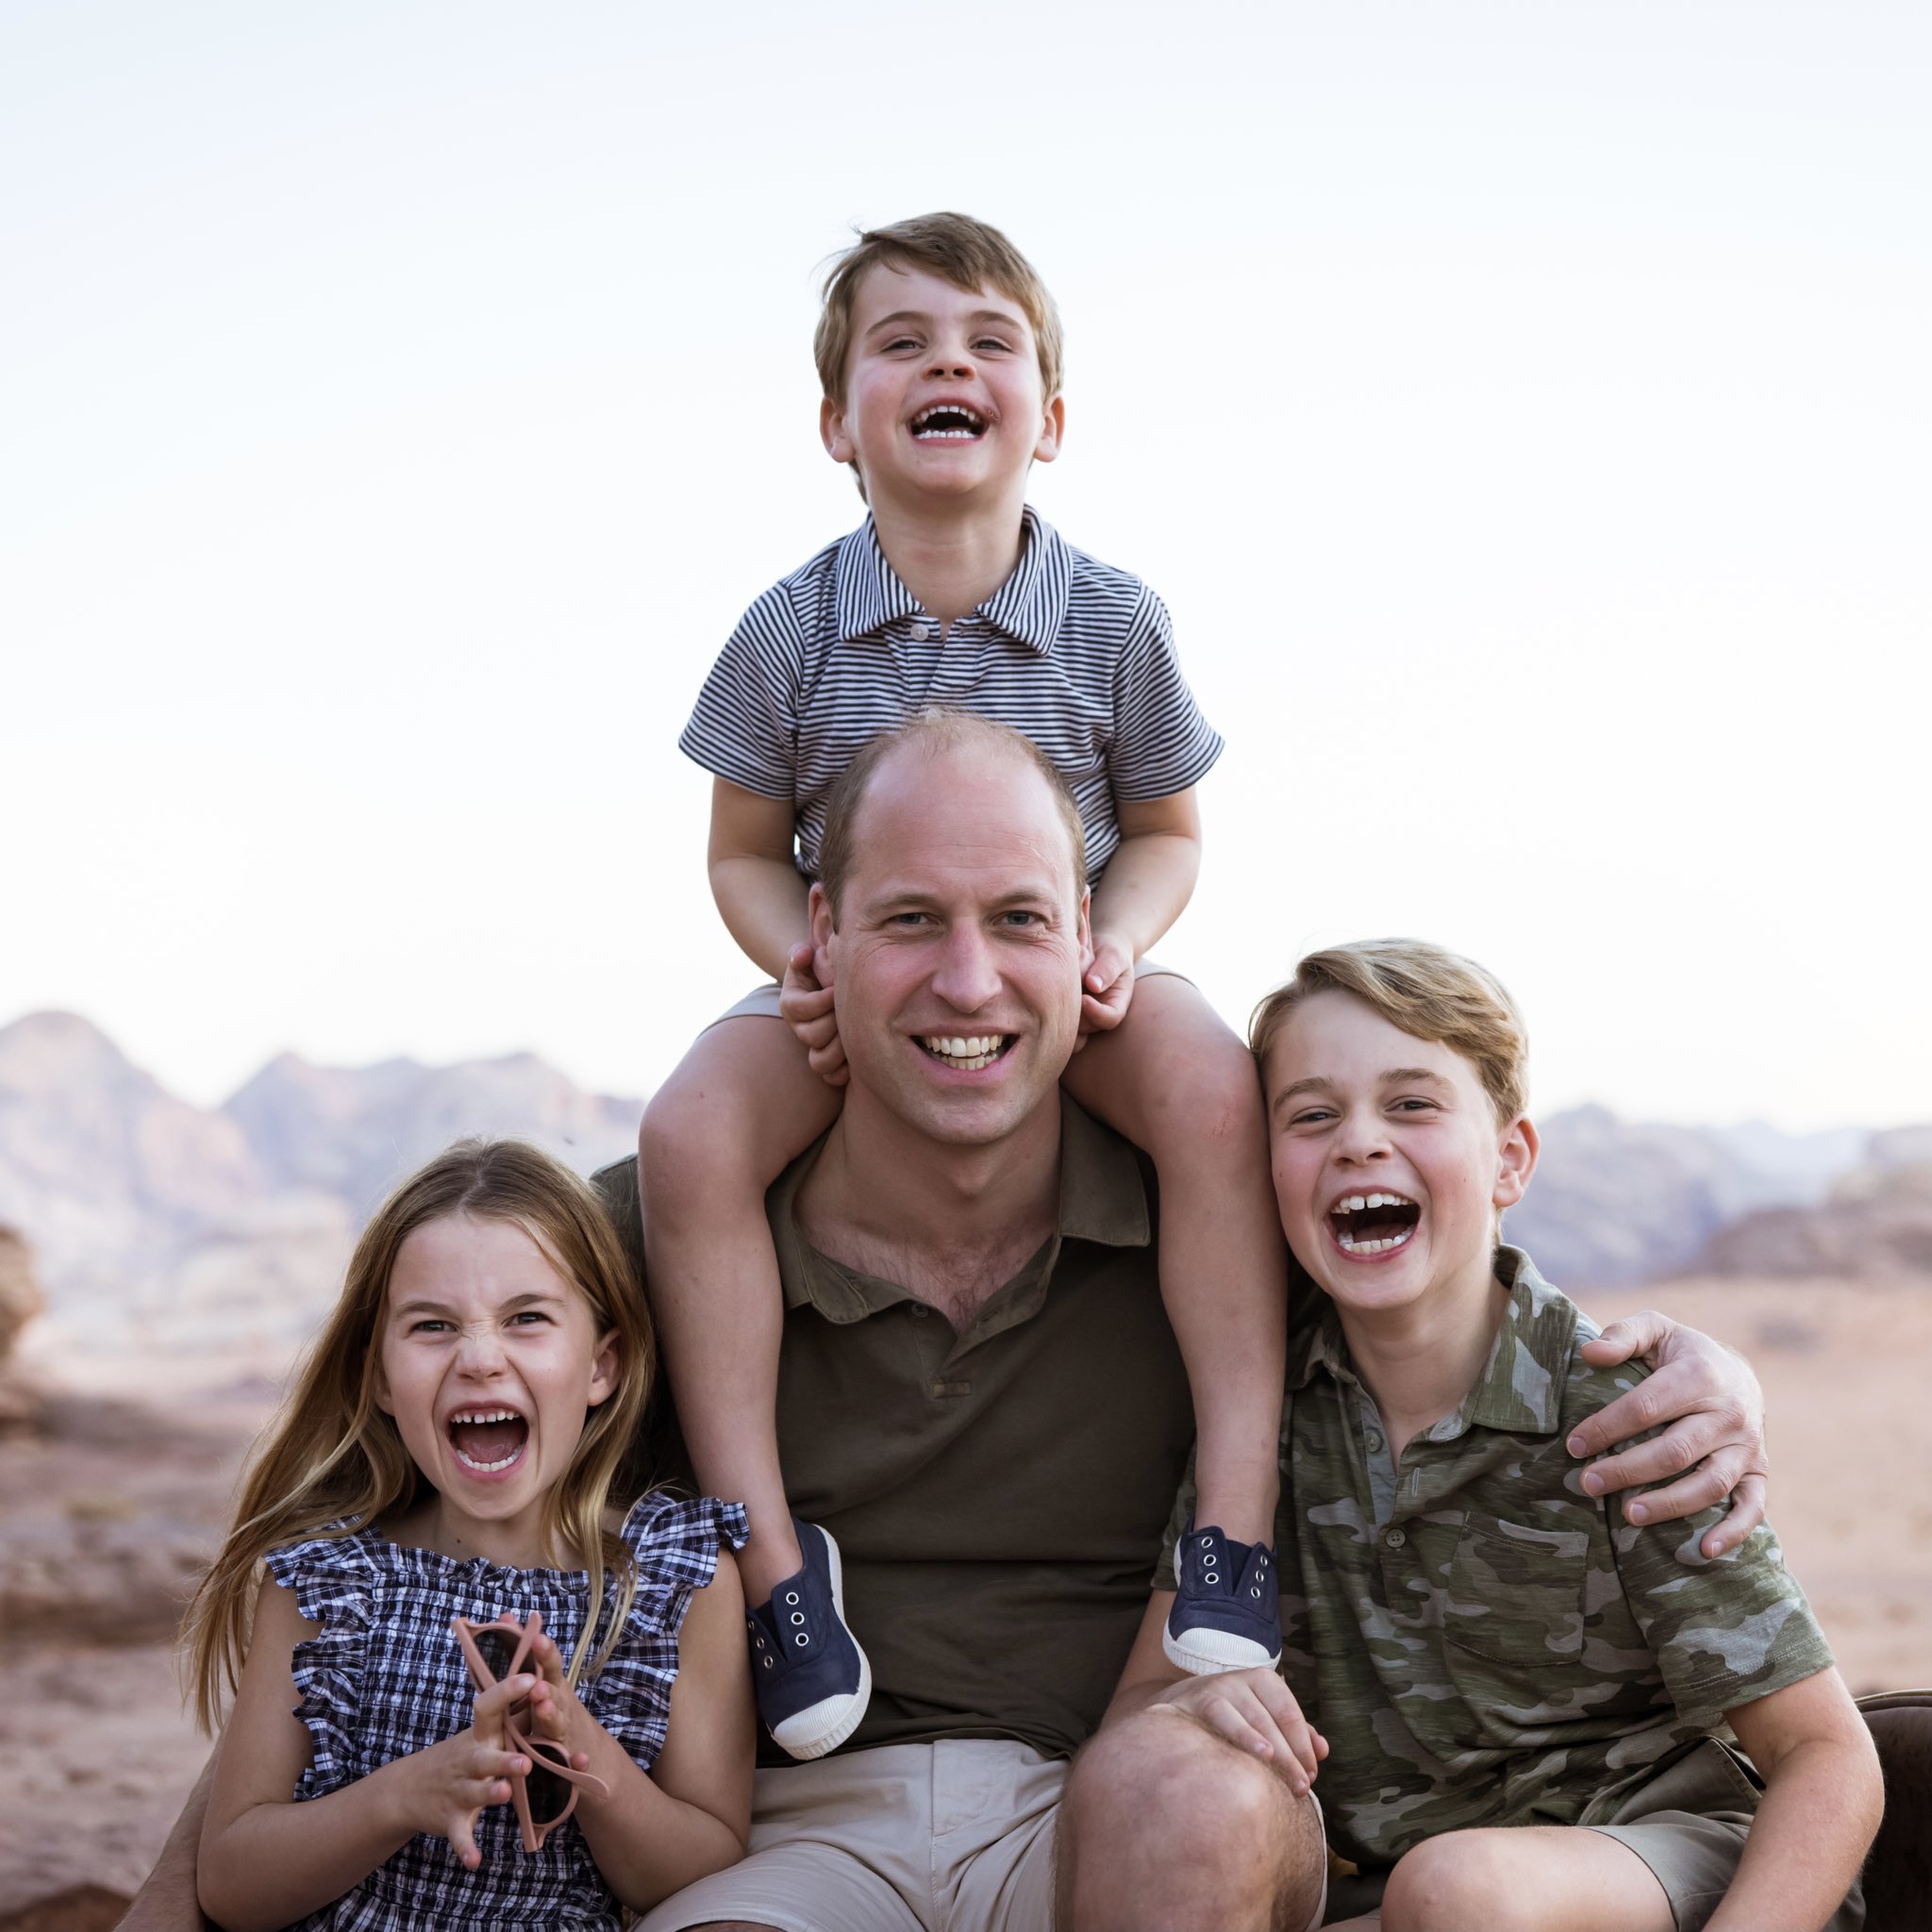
x,y
935,730
332,1462
970,255
1427,991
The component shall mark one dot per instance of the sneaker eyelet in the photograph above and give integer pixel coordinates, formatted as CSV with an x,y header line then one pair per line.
x,y
801,1638
791,1596
768,1663
798,1616
1255,1592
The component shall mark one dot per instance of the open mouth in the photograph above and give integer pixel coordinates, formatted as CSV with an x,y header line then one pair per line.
x,y
967,1052
488,1439
1372,1223
948,422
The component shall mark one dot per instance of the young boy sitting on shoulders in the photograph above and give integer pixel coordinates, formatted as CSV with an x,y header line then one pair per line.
x,y
1482,1643
938,353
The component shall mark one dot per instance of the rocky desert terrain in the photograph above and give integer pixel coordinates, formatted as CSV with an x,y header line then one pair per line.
x,y
174,1259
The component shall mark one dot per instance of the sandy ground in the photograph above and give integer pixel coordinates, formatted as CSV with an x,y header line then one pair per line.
x,y
105,1510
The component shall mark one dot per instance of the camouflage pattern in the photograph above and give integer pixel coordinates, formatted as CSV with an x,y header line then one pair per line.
x,y
1480,1641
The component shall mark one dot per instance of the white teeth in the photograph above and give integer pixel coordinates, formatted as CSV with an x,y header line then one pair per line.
x,y
503,1462
486,1415
1348,1244
970,1053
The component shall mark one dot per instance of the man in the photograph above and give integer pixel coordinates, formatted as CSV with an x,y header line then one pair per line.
x,y
975,1342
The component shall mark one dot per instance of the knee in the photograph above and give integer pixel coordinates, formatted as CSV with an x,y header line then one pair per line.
x,y
1208,1102
1450,1883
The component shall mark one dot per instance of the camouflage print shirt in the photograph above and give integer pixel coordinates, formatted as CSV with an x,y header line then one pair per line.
x,y
1480,1641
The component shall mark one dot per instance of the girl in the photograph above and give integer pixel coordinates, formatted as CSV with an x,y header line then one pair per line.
x,y
451,1451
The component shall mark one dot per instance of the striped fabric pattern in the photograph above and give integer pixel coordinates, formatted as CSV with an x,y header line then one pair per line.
x,y
384,1678
1075,654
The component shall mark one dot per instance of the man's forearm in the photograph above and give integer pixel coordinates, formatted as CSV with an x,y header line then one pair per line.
x,y
168,1903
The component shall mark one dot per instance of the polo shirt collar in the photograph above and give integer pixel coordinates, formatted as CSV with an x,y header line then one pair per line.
x,y
1519,1390
1103,1199
1029,606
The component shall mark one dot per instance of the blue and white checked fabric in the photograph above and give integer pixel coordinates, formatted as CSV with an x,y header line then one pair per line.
x,y
385,1678
1071,652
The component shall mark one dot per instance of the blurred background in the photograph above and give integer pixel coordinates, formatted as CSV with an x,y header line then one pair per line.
x,y
1522,411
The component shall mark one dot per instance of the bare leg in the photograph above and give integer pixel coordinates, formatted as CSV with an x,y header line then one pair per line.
x,y
742,1104
1167,1828
1177,1083
1528,1878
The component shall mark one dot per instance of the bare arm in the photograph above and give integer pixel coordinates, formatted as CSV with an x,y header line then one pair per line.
x,y
759,891
1823,1797
657,1832
1253,1710
266,1860
1716,1412
167,1903
1149,880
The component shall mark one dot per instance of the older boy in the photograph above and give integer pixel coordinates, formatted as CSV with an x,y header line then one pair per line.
x,y
1482,1643
938,352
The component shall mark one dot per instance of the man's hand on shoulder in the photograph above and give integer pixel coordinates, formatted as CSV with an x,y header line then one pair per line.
x,y
1714,1445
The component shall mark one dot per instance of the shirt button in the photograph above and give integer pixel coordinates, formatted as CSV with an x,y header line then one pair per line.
x,y
919,1312
1395,1538
921,632
1374,1439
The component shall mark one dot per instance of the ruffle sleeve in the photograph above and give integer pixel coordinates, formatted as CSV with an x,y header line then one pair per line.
x,y
331,1579
675,1543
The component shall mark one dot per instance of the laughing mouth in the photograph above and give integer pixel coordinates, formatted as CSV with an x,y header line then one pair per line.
x,y
948,422
1372,1223
968,1051
487,1439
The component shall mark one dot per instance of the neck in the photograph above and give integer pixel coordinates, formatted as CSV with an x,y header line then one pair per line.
x,y
1421,1360
876,1190
512,1542
953,557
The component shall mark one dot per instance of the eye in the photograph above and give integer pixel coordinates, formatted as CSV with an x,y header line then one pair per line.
x,y
1415,1104
1310,1115
1023,920
429,1325
993,342
531,1315
906,922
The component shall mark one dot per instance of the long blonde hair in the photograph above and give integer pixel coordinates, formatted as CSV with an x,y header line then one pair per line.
x,y
333,1462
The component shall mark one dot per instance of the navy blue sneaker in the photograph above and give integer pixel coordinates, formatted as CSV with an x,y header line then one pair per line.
x,y
1227,1612
813,1680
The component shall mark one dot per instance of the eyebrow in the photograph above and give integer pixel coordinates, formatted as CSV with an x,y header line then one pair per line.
x,y
1394,1076
423,1304
900,316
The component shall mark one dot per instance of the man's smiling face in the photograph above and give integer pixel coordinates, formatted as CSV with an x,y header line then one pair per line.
x,y
959,943
1389,1160
943,391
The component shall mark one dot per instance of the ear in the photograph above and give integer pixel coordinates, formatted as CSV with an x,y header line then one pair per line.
x,y
1516,1154
1085,932
1052,433
384,1400
818,911
832,432
603,1368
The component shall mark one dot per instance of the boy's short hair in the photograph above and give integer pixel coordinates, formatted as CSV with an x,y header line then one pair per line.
x,y
935,729
1426,990
969,254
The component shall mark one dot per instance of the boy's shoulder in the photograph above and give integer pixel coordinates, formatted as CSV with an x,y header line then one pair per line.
x,y
1541,1349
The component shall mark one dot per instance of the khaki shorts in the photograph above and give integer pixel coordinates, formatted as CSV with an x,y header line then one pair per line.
x,y
761,1002
952,1837
1687,1823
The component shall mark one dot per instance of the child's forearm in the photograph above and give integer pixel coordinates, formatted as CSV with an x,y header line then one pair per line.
x,y
1149,881
276,1863
1817,1819
648,1843
762,902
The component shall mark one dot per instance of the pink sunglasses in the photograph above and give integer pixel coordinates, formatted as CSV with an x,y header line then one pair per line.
x,y
546,1795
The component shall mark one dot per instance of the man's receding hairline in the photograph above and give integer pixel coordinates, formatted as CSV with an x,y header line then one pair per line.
x,y
935,745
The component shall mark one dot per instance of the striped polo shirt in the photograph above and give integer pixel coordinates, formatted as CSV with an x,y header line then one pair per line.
x,y
1071,652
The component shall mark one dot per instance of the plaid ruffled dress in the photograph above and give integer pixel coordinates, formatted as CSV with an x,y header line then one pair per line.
x,y
385,1678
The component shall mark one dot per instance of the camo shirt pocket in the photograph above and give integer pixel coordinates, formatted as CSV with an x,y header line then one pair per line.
x,y
1516,1594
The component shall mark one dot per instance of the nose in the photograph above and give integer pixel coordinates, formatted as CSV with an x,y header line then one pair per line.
x,y
967,976
951,361
479,1353
1363,1136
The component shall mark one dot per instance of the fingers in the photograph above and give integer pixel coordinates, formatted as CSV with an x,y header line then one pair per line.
x,y
828,1062
1102,1014
1746,1512
1686,1390
1703,1488
1257,1713
1620,1341
494,1704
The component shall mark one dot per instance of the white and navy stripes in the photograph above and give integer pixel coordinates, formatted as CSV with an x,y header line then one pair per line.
x,y
1075,654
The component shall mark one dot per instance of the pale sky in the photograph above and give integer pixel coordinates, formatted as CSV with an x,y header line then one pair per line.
x,y
1523,409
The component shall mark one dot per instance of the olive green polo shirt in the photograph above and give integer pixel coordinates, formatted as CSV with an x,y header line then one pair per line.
x,y
1481,1641
998,1496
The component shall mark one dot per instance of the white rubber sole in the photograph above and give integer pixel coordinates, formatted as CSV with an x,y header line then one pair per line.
x,y
1209,1652
824,1725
